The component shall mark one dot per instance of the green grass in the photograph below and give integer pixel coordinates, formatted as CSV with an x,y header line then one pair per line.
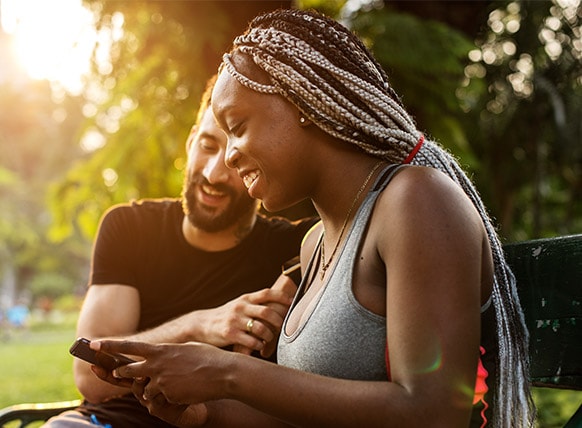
x,y
36,367
555,406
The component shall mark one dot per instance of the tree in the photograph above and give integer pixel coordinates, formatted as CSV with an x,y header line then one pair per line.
x,y
528,70
143,97
36,144
463,81
503,96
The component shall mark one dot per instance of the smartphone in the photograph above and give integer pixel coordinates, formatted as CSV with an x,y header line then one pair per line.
x,y
80,349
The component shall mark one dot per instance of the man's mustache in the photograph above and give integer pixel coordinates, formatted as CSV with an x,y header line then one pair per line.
x,y
199,179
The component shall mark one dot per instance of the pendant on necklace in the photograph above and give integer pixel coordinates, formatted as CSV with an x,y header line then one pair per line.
x,y
324,265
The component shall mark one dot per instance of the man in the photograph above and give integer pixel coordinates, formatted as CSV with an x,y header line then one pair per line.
x,y
173,270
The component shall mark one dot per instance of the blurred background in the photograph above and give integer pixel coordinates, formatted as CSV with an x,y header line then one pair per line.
x,y
97,98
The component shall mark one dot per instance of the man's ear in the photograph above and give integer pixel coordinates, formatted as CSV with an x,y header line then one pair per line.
x,y
191,136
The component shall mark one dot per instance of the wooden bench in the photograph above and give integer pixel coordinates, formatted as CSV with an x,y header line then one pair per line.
x,y
549,281
26,414
549,278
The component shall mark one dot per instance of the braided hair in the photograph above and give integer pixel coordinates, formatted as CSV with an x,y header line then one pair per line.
x,y
331,77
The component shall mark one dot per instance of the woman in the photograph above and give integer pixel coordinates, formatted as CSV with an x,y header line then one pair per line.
x,y
407,314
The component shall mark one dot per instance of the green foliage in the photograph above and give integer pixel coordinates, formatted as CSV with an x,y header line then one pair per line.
x,y
524,153
50,285
511,113
528,138
332,8
7,177
69,305
145,100
36,148
426,76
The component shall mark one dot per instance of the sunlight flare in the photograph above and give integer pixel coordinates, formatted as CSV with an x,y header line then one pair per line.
x,y
51,40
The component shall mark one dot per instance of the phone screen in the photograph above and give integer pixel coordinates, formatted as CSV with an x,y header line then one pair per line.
x,y
81,349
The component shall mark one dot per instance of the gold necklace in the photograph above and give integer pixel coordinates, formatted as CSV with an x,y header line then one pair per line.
x,y
324,265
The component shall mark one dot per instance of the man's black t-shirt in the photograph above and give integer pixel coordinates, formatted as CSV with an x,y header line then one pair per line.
x,y
141,245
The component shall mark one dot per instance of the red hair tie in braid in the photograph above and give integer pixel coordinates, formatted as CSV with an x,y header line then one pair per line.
x,y
414,150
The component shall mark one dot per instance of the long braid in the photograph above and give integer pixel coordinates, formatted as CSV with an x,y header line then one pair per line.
x,y
331,77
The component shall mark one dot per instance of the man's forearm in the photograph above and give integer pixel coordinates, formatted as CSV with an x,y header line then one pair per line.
x,y
188,327
93,389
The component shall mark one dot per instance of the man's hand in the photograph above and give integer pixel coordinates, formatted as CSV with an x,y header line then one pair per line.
x,y
283,284
251,322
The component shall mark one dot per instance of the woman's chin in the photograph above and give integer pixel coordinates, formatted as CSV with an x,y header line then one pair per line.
x,y
273,206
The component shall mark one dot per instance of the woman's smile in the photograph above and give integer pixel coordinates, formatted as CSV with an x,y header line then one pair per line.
x,y
250,178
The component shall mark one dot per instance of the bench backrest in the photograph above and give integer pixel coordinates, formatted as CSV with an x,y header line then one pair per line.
x,y
549,281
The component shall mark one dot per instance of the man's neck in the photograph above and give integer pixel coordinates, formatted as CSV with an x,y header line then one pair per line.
x,y
217,241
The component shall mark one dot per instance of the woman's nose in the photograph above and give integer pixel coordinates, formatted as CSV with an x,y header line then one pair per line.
x,y
232,157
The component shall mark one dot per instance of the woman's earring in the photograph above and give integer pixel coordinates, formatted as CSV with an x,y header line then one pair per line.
x,y
301,119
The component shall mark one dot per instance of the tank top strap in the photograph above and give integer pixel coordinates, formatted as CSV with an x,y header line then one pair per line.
x,y
386,176
363,214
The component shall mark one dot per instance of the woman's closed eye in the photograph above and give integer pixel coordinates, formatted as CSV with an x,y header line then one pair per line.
x,y
236,130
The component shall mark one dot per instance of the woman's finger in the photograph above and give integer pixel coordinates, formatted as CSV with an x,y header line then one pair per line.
x,y
137,388
122,347
108,376
151,391
133,370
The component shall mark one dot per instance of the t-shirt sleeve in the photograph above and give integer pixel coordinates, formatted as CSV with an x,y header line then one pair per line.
x,y
114,252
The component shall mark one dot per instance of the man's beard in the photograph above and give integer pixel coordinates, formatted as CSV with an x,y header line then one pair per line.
x,y
211,219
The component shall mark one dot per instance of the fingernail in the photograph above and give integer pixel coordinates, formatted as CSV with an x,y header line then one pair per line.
x,y
115,374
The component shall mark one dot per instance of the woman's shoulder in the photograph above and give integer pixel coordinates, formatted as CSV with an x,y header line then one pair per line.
x,y
422,199
420,186
415,180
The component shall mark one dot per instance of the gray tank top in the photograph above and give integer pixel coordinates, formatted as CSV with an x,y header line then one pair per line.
x,y
340,338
